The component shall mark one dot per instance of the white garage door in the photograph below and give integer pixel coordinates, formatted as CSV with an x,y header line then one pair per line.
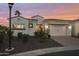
x,y
58,30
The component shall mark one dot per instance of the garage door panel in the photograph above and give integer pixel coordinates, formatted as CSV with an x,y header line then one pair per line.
x,y
58,30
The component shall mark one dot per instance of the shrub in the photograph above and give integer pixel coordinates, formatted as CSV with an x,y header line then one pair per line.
x,y
49,36
10,33
44,38
2,34
20,35
25,37
39,34
36,34
78,35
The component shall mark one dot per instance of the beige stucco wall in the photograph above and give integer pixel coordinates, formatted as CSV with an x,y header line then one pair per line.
x,y
64,32
76,24
38,18
19,20
41,20
24,21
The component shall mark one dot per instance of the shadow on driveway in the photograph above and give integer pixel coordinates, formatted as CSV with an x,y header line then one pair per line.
x,y
64,53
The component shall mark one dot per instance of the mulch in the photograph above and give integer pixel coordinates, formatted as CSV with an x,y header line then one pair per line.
x,y
32,44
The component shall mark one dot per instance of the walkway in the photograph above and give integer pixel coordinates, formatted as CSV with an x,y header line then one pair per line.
x,y
45,51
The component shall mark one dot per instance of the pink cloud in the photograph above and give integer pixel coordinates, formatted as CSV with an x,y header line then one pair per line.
x,y
3,21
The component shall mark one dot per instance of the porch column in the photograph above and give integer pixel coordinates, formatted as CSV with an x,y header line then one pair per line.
x,y
73,30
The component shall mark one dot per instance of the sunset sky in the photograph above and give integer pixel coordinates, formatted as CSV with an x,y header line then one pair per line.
x,y
65,11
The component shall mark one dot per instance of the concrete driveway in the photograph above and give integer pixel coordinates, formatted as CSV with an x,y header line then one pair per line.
x,y
67,41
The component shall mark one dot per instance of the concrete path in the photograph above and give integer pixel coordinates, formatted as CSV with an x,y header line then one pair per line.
x,y
45,51
67,41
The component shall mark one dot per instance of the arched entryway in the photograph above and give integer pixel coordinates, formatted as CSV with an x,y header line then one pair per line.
x,y
40,27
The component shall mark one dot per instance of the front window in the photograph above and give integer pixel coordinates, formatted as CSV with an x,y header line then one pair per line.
x,y
18,27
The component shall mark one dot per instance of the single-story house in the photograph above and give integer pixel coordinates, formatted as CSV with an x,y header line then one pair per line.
x,y
55,27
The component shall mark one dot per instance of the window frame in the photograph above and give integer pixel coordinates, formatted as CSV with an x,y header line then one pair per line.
x,y
31,25
14,28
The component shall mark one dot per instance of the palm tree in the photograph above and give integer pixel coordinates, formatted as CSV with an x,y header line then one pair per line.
x,y
17,13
